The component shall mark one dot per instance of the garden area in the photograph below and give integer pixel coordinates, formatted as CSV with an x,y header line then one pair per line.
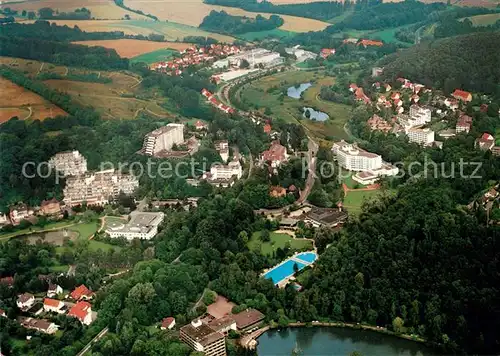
x,y
276,240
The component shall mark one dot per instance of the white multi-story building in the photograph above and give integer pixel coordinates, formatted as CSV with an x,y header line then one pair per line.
x,y
420,135
224,175
163,139
97,188
70,163
143,226
254,57
223,148
353,158
420,115
202,338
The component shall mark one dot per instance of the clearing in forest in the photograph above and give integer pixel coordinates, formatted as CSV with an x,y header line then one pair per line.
x,y
20,102
128,48
484,20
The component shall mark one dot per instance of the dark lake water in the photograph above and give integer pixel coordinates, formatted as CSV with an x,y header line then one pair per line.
x,y
296,92
317,341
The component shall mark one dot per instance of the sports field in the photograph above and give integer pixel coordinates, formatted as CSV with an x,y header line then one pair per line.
x,y
277,241
26,105
192,13
129,48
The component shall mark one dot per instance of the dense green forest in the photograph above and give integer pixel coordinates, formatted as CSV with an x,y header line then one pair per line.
x,y
121,4
469,62
48,13
222,22
453,27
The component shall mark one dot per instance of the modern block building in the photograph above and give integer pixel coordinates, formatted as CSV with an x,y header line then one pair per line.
x,y
163,139
142,226
353,158
420,135
224,174
98,188
202,338
70,163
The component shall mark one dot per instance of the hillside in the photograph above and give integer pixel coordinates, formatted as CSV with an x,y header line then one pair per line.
x,y
469,62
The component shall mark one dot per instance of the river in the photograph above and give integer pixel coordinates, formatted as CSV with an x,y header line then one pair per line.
x,y
317,341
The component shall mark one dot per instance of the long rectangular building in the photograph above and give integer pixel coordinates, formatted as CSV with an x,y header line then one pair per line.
x,y
142,226
163,139
353,158
202,338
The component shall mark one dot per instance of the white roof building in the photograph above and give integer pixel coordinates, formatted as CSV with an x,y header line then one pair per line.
x,y
420,135
143,226
353,158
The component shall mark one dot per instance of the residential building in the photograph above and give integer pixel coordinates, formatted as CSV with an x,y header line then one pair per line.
x,y
163,139
373,175
301,54
224,175
353,158
167,323
248,319
329,217
141,225
451,103
223,325
4,219
54,289
98,188
420,114
7,281
275,155
41,325
25,301
366,43
376,123
464,124
19,212
462,95
82,292
70,163
50,207
200,125
377,71
420,135
277,192
202,338
446,134
326,52
2,313
82,311
485,142
223,148
54,306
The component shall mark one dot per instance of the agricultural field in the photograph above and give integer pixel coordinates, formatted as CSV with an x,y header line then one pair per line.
x,y
260,35
277,241
160,55
192,13
266,93
26,105
484,20
100,9
172,31
129,48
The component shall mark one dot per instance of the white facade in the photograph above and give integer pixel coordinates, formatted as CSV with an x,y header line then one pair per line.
x,y
25,301
353,158
420,114
54,290
54,308
163,139
142,226
422,136
69,163
227,171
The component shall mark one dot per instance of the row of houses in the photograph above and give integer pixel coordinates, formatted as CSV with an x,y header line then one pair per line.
x,y
214,102
21,211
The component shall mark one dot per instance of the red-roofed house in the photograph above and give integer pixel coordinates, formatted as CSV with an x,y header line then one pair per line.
x,y
2,313
267,128
325,52
8,281
82,292
53,305
462,95
387,87
485,142
206,93
50,207
366,43
200,125
276,154
464,124
395,96
82,311
353,87
360,95
167,323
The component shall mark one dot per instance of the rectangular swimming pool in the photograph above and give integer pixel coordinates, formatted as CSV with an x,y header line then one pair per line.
x,y
283,271
307,256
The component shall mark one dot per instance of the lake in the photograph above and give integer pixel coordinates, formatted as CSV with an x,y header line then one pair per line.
x,y
317,341
315,115
296,92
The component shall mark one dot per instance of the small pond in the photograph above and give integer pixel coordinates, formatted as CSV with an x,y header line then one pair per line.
x,y
315,115
296,91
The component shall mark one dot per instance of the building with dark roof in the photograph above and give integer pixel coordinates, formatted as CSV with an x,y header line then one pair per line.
x,y
202,338
248,319
326,216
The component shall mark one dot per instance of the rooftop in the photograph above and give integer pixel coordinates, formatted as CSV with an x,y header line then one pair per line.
x,y
326,215
202,334
248,317
140,222
220,308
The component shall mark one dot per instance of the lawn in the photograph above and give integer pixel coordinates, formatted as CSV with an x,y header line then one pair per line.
x,y
388,36
289,109
260,35
354,199
277,241
85,230
160,55
51,226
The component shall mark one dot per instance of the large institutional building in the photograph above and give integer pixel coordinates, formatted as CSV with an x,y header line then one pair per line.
x,y
97,188
257,56
142,226
163,139
70,163
420,135
202,338
224,175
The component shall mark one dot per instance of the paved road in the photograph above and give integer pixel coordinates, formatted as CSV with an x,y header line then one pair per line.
x,y
311,160
89,345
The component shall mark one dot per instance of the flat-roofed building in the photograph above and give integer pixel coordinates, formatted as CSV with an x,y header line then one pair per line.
x,y
70,163
353,158
97,188
248,319
223,148
142,226
223,325
326,216
420,135
163,139
224,174
202,338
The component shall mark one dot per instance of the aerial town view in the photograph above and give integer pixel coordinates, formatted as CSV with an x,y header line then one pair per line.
x,y
249,177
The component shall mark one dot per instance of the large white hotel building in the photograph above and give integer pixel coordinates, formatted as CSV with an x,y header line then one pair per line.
x,y
353,158
163,139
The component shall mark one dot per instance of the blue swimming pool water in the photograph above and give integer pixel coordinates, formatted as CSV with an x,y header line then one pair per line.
x,y
307,256
285,270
